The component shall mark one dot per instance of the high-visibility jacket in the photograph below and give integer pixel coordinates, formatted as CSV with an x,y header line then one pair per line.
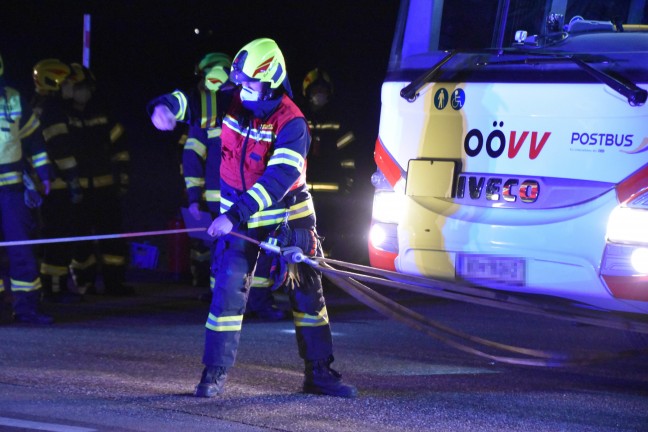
x,y
55,132
263,162
20,147
201,158
200,109
97,146
279,193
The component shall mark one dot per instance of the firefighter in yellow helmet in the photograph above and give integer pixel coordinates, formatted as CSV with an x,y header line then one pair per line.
x,y
265,140
20,146
97,154
200,167
201,160
49,76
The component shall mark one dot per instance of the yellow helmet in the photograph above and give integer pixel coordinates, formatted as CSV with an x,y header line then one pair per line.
x,y
215,68
260,60
319,77
49,74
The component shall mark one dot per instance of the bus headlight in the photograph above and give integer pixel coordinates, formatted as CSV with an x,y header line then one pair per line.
x,y
628,225
387,206
383,236
639,260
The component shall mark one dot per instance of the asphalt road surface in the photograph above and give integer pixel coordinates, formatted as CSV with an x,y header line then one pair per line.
x,y
130,364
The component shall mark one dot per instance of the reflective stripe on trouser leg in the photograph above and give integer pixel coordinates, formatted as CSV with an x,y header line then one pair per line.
x,y
235,259
312,327
17,224
84,270
114,271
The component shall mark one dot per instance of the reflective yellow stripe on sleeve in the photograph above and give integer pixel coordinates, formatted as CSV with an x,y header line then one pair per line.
x,y
196,146
258,219
122,156
66,163
212,195
260,195
288,157
54,130
302,209
40,159
208,104
116,132
182,101
214,132
28,128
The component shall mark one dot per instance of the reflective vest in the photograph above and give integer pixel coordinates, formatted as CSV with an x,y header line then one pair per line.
x,y
246,149
10,145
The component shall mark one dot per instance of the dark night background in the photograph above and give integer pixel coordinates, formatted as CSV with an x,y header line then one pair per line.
x,y
140,49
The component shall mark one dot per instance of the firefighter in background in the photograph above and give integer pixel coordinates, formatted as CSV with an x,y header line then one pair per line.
x,y
201,158
331,164
265,140
56,210
201,161
18,143
90,161
97,155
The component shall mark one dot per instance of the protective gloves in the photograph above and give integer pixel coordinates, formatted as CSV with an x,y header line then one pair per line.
x,y
163,119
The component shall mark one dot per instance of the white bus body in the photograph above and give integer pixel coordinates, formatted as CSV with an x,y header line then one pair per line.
x,y
522,164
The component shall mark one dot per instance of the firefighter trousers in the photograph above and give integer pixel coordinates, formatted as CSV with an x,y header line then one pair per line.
x,y
234,263
18,224
99,212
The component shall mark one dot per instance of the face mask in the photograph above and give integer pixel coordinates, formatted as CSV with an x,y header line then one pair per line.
x,y
319,99
248,95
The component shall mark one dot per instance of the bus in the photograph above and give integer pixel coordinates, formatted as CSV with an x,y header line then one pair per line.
x,y
512,150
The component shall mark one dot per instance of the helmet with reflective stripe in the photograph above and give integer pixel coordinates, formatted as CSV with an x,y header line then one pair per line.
x,y
260,60
49,74
215,68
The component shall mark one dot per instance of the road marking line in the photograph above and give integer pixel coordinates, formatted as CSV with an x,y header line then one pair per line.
x,y
5,421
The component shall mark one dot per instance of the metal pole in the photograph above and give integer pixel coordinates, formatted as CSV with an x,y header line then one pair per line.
x,y
86,40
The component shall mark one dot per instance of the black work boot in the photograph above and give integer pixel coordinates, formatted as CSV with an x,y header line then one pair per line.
x,y
27,308
212,381
320,379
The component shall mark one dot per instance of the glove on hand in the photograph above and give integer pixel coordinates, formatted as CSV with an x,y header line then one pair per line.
x,y
306,240
278,272
32,199
163,119
292,254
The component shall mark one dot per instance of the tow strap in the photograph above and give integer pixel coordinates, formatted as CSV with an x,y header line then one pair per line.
x,y
349,281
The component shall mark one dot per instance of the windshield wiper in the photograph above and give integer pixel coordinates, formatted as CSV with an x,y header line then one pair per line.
x,y
411,91
635,95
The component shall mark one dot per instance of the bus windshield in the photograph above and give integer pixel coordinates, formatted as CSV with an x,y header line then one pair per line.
x,y
427,28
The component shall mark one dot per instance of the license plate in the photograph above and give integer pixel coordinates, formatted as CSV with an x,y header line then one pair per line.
x,y
488,268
